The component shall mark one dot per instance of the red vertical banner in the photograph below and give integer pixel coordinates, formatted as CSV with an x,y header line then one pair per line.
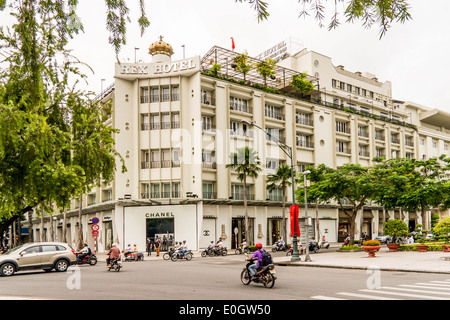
x,y
294,220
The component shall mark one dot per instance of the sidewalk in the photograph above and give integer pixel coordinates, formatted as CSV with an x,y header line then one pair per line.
x,y
402,261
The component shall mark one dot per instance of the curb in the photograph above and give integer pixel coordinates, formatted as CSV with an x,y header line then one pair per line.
x,y
309,265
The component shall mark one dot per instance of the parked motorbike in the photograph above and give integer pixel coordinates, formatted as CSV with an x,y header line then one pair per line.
x,y
115,265
89,259
289,252
133,256
264,275
277,247
179,255
241,250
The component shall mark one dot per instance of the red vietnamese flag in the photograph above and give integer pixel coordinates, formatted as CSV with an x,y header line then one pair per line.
x,y
233,46
294,221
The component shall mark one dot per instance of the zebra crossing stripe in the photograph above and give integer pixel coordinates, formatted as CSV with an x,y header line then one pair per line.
x,y
417,290
365,296
326,298
403,294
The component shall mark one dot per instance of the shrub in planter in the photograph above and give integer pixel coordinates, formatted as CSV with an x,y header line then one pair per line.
x,y
395,228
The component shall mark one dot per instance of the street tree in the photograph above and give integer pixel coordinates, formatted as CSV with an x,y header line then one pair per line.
x,y
281,179
246,164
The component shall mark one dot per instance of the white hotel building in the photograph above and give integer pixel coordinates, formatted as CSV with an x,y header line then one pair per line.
x,y
178,127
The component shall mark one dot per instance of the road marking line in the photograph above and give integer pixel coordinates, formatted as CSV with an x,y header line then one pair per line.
x,y
326,298
403,294
359,295
433,284
423,286
416,290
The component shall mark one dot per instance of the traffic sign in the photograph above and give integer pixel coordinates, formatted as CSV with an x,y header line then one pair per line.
x,y
95,220
95,233
95,227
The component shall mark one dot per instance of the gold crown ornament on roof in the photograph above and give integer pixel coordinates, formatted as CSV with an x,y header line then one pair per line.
x,y
160,47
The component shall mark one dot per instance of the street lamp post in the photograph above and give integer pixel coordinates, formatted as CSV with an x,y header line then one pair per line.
x,y
307,257
288,151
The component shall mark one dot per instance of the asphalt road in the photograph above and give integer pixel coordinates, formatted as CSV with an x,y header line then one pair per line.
x,y
217,278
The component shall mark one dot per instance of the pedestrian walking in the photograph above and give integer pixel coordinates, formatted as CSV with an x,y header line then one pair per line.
x,y
157,246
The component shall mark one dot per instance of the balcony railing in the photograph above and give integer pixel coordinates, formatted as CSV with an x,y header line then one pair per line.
x,y
379,136
304,144
209,195
209,165
209,101
240,196
304,121
344,150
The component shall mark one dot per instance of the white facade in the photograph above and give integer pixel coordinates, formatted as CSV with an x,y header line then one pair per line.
x,y
179,127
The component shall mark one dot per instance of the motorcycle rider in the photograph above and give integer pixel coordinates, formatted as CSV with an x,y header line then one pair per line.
x,y
312,244
83,252
113,253
257,255
183,248
280,243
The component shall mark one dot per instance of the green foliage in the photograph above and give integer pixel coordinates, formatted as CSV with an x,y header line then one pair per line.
x,y
371,243
443,227
301,84
395,228
266,69
243,63
215,69
350,248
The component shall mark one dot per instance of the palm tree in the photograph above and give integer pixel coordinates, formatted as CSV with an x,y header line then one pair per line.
x,y
247,164
281,179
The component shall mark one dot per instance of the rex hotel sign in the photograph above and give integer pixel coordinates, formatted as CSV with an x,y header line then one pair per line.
x,y
158,69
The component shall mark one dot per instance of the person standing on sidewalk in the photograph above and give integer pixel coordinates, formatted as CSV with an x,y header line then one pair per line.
x,y
157,245
149,247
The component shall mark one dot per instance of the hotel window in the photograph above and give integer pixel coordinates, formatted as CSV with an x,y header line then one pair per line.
x,y
342,147
165,190
165,121
175,120
334,83
434,143
371,94
176,158
208,190
154,94
363,132
364,92
155,190
274,133
357,90
238,104
303,140
175,93
342,127
176,191
166,160
273,112
272,164
207,123
342,85
422,141
144,95
154,122
145,162
303,118
446,146
155,159
145,191
237,192
165,94
275,195
145,122
363,151
236,129
349,88
380,153
364,110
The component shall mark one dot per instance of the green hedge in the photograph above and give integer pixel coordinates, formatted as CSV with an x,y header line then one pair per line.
x,y
413,247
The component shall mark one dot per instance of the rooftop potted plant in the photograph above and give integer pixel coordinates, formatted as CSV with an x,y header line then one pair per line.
x,y
371,247
395,228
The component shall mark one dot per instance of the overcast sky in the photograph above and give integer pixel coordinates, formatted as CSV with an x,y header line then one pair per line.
x,y
414,56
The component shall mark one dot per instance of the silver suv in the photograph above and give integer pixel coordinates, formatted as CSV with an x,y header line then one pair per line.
x,y
39,255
